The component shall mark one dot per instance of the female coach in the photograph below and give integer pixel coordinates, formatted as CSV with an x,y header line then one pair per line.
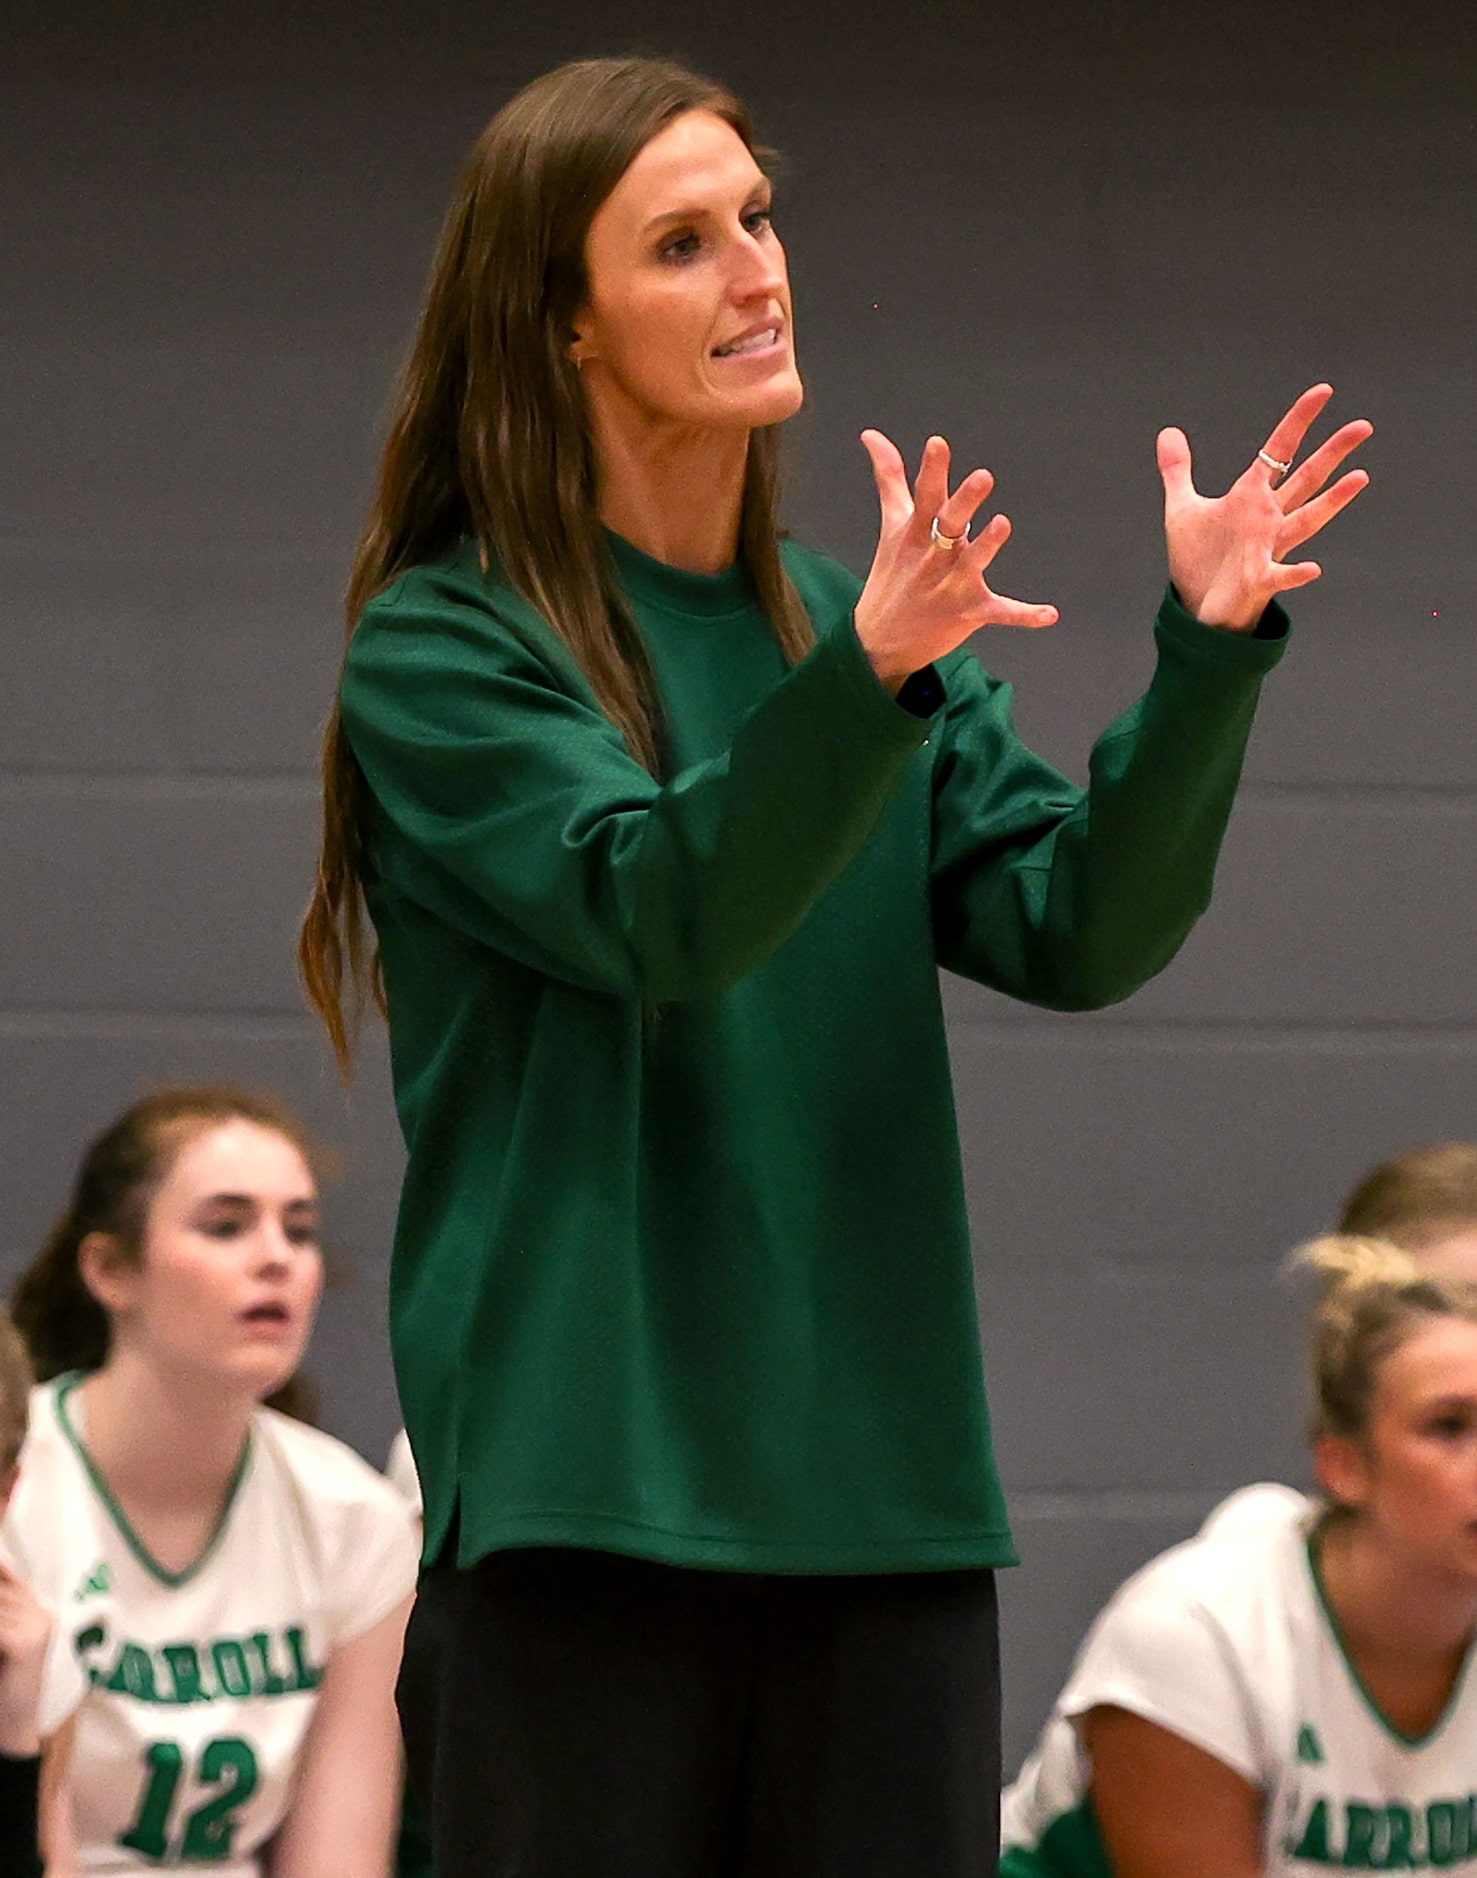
x,y
665,825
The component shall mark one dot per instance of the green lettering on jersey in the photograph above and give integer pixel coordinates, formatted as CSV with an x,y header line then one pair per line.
x,y
183,1662
1446,1832
265,1678
175,1675
1400,1853
306,1675
1309,1751
1313,1845
93,1637
230,1667
210,1831
1393,1837
133,1674
208,1834
1361,1823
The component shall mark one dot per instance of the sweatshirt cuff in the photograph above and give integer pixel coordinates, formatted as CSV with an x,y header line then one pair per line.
x,y
1250,654
903,718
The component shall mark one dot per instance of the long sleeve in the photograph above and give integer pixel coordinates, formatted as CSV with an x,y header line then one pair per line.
x,y
509,808
1073,898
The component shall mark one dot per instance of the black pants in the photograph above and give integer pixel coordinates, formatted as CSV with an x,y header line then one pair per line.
x,y
576,1714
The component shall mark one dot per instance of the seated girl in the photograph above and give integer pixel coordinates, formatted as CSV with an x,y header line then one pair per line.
x,y
234,1584
1293,1689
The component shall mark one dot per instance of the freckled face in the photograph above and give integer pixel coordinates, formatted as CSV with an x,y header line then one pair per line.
x,y
231,1272
1418,1481
688,322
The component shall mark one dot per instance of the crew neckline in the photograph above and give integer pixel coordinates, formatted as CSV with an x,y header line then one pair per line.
x,y
674,590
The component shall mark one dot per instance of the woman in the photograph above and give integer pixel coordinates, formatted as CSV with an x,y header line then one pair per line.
x,y
234,1585
665,826
1294,1687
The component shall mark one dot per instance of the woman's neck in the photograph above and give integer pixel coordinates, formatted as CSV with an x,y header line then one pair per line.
x,y
1406,1631
675,493
163,1441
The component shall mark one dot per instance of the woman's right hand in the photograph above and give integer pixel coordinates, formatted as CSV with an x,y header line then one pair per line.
x,y
921,599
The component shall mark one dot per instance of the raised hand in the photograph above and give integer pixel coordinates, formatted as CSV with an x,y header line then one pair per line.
x,y
1225,552
927,592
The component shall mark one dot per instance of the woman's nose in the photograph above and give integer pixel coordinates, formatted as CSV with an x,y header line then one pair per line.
x,y
759,266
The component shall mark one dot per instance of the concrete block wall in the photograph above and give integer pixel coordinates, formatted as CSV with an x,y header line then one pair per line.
x,y
1045,230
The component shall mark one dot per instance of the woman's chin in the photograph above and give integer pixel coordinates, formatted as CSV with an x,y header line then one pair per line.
x,y
773,403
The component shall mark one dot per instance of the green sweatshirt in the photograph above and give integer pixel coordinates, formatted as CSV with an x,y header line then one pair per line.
x,y
682,1267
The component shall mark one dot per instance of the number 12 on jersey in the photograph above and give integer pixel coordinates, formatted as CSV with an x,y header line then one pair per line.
x,y
209,1830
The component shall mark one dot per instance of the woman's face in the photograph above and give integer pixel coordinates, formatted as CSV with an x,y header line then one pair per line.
x,y
231,1270
688,324
1414,1477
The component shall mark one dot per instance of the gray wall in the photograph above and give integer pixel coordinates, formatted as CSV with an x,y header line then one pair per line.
x,y
1045,229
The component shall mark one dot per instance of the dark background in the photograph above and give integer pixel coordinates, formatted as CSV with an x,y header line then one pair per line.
x,y
1043,229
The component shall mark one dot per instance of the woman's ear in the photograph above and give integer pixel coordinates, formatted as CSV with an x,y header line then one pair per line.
x,y
580,348
1342,1467
107,1271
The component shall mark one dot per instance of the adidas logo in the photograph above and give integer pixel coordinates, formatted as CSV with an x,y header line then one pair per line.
x,y
1310,1753
96,1584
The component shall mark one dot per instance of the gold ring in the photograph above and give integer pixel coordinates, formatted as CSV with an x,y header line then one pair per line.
x,y
941,540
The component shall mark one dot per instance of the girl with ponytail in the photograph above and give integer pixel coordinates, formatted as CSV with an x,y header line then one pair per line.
x,y
231,1585
1294,1688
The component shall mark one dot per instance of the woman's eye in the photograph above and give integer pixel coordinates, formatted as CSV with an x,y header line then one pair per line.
x,y
302,1235
1451,1427
757,220
682,249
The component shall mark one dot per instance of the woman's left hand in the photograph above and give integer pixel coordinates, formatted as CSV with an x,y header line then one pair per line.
x,y
1225,552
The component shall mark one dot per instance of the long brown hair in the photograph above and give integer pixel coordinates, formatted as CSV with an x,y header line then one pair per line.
x,y
62,1324
490,438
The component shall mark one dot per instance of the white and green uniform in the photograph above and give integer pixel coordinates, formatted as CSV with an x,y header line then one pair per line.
x,y
1229,1642
196,1688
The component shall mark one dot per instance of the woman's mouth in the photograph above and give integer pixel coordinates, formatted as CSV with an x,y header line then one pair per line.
x,y
763,341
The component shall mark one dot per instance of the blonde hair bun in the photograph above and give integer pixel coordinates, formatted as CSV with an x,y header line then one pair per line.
x,y
1373,1297
1350,1262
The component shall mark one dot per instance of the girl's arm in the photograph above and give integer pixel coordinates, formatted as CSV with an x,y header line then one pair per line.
x,y
1167,1809
54,1806
342,1820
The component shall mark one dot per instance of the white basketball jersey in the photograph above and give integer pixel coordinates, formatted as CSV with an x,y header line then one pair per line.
x,y
1228,1642
197,1688
401,1473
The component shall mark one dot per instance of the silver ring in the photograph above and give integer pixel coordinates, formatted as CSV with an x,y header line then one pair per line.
x,y
1272,463
941,540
